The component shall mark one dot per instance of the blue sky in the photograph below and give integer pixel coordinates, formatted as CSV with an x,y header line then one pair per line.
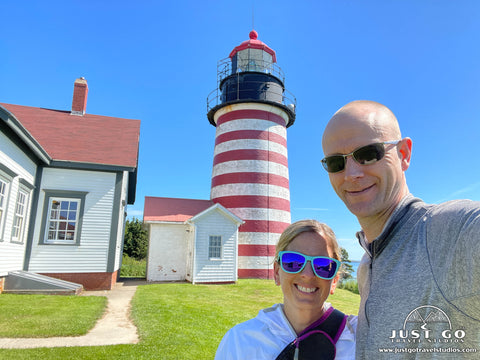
x,y
156,61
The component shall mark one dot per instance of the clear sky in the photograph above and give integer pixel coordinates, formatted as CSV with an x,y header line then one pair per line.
x,y
156,61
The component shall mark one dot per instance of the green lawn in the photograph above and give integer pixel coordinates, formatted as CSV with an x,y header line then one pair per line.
x,y
46,316
184,321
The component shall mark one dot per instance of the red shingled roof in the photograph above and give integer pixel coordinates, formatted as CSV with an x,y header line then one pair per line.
x,y
171,209
86,139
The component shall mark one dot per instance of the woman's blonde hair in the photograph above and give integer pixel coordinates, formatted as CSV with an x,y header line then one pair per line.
x,y
295,229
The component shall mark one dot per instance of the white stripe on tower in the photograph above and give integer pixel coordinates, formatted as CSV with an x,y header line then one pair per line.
x,y
244,166
250,178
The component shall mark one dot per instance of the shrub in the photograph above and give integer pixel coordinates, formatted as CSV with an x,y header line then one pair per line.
x,y
136,239
350,285
132,267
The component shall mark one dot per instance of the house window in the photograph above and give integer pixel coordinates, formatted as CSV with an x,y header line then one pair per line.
x,y
3,202
21,205
63,220
6,178
62,217
215,247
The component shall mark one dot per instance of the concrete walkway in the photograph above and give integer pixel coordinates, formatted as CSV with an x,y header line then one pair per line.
x,y
114,328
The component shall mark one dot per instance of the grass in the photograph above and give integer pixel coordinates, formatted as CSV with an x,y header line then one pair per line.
x,y
46,316
184,321
133,268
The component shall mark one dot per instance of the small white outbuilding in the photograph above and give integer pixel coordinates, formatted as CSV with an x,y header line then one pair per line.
x,y
193,240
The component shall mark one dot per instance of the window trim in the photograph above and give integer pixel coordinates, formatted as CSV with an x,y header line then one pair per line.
x,y
6,175
73,195
210,247
26,189
4,204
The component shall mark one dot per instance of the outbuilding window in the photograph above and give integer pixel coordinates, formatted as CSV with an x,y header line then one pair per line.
x,y
215,247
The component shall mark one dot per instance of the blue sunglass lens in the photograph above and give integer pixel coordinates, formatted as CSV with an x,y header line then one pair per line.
x,y
292,262
325,268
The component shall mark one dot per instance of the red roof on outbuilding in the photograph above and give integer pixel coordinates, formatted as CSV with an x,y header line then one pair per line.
x,y
87,139
173,209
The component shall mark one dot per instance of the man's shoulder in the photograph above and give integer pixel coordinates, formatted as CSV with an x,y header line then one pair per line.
x,y
460,213
449,210
463,206
453,243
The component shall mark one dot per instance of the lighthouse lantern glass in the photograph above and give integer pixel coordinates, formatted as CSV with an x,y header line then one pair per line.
x,y
253,60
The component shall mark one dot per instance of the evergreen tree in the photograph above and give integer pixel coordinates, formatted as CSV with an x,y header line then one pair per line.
x,y
347,268
135,243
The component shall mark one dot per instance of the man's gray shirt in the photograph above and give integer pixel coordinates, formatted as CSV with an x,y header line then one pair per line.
x,y
420,284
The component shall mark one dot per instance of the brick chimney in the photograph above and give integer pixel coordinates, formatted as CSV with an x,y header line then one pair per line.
x,y
80,92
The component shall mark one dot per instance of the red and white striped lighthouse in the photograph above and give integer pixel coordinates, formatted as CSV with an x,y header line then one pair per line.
x,y
251,111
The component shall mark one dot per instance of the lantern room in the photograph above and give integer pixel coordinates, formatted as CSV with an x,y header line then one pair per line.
x,y
252,55
250,74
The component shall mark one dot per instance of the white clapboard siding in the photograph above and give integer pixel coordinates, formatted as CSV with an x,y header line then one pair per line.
x,y
167,252
11,156
215,270
16,159
121,222
91,255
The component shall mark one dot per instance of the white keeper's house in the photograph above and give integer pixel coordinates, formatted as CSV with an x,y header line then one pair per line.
x,y
65,180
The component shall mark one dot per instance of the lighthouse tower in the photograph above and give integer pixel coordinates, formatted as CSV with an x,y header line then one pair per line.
x,y
251,111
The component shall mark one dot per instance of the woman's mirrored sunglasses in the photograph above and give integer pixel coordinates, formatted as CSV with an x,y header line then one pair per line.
x,y
364,155
294,262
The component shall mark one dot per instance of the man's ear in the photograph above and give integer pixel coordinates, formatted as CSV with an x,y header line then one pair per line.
x,y
405,152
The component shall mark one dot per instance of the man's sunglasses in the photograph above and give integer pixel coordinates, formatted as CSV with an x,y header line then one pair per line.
x,y
364,155
294,262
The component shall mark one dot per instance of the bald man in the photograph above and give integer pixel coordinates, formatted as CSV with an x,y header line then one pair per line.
x,y
419,279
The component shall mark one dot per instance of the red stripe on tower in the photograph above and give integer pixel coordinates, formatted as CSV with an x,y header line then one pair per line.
x,y
243,114
263,226
255,274
259,202
256,250
250,134
250,154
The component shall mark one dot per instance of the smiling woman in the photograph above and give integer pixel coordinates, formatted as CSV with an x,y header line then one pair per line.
x,y
306,264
